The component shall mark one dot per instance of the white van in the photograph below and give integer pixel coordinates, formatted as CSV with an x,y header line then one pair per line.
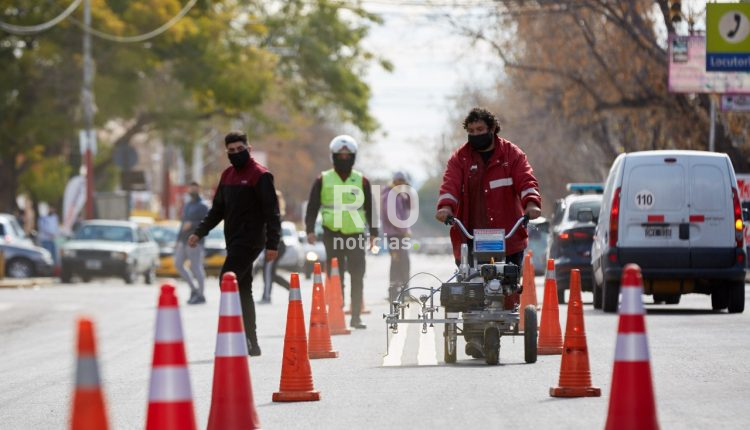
x,y
677,215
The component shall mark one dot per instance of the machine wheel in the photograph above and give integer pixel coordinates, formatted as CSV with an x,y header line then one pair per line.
x,y
597,290
672,299
719,298
611,296
529,334
737,297
491,345
449,337
19,268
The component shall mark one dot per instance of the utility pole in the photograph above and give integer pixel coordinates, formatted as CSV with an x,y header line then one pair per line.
x,y
87,99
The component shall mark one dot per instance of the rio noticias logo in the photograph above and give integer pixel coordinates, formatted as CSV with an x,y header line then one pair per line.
x,y
348,205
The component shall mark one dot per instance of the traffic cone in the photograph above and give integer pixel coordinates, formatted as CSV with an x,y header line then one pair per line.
x,y
631,399
170,400
320,335
296,377
232,404
336,319
88,401
528,296
550,336
575,375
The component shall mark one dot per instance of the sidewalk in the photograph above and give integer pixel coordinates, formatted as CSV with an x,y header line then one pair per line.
x,y
25,283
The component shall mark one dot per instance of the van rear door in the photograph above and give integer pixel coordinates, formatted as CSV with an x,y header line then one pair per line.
x,y
711,216
654,204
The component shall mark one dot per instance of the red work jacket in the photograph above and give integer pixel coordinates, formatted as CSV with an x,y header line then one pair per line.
x,y
491,195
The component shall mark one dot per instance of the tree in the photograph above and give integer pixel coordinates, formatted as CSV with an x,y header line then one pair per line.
x,y
587,79
219,61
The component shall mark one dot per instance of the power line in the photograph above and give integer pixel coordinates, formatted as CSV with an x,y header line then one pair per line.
x,y
31,29
141,37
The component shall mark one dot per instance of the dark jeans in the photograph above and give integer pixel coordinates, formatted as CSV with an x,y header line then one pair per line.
x,y
351,259
242,266
270,276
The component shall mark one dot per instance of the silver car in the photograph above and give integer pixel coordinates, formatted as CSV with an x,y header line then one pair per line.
x,y
104,248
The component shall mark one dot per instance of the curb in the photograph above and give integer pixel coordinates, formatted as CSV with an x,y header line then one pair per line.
x,y
25,283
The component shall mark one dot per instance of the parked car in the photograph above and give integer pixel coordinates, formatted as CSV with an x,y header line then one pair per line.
x,y
216,250
103,248
315,253
676,214
11,231
571,238
26,261
293,258
538,242
165,234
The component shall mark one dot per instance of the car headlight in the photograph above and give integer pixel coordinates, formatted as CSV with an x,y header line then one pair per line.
x,y
69,253
119,255
311,256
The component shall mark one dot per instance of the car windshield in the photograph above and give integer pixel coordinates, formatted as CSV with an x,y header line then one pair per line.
x,y
576,207
164,234
105,232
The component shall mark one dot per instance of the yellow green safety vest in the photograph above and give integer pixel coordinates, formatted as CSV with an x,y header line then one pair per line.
x,y
329,209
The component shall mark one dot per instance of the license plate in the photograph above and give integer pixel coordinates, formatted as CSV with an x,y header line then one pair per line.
x,y
93,264
659,232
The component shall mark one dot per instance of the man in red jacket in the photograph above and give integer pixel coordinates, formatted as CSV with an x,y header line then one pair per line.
x,y
488,183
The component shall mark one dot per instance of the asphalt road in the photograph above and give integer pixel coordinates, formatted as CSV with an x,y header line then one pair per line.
x,y
699,361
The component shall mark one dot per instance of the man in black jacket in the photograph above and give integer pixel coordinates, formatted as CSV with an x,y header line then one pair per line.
x,y
246,201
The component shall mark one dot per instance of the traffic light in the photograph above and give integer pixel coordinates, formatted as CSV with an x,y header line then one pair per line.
x,y
675,11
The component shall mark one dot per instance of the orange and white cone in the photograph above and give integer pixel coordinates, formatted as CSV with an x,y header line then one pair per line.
x,y
631,401
528,296
319,345
232,403
550,340
575,374
89,412
170,399
296,377
336,319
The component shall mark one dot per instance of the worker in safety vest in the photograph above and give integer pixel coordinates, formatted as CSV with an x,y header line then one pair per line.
x,y
342,196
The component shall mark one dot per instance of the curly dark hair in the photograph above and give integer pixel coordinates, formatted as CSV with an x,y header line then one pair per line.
x,y
481,114
235,136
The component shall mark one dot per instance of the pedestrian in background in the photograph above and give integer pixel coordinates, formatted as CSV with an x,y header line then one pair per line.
x,y
394,235
269,267
246,200
48,229
192,214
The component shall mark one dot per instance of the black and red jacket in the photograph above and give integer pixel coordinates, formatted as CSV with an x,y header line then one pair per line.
x,y
246,200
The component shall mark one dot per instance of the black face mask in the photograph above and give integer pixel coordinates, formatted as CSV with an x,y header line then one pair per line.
x,y
195,196
239,159
343,166
480,142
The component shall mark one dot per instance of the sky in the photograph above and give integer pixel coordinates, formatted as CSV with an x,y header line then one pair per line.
x,y
412,103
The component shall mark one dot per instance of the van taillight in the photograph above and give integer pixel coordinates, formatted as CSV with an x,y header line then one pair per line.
x,y
614,217
738,225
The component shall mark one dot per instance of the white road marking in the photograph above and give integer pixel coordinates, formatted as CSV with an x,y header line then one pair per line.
x,y
398,341
5,306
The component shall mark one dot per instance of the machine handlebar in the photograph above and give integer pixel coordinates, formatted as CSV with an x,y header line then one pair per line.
x,y
451,220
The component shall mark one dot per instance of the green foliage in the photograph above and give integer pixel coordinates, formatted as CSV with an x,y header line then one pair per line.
x,y
46,178
223,58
